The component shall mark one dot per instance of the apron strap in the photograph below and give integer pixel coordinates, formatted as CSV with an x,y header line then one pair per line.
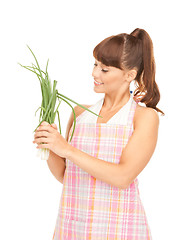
x,y
131,113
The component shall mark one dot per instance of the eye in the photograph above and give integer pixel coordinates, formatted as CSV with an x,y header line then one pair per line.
x,y
103,70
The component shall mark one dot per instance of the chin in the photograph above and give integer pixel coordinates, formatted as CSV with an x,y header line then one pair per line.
x,y
98,91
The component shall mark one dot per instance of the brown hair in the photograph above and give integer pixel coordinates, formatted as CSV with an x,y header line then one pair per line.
x,y
128,51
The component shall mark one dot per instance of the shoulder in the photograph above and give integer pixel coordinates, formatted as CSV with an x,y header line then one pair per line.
x,y
79,110
145,115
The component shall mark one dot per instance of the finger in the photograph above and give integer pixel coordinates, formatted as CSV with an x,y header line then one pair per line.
x,y
41,134
43,146
54,126
44,123
41,140
47,128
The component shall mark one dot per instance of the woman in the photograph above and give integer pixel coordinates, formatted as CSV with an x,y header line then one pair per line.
x,y
99,168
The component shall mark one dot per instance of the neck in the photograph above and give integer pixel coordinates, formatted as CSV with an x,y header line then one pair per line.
x,y
112,103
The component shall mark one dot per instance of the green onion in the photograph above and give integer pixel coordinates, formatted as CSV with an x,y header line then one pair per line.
x,y
50,98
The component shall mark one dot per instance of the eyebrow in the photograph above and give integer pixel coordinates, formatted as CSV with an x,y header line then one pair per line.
x,y
102,64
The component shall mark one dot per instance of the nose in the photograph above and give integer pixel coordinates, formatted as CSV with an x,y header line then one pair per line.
x,y
95,72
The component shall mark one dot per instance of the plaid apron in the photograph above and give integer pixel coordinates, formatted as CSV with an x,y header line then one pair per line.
x,y
90,208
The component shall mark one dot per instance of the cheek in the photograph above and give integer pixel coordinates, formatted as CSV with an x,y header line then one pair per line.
x,y
105,77
112,80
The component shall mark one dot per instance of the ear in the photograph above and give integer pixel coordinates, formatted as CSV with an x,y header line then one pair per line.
x,y
131,75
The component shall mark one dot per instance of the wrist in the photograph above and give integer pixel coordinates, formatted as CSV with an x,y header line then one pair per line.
x,y
69,151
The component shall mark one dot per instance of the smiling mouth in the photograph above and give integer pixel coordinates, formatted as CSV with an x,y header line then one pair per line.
x,y
97,83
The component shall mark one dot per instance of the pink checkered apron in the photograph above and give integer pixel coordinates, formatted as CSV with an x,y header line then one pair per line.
x,y
90,208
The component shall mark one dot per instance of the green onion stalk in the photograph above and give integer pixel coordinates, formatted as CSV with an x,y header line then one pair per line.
x,y
51,100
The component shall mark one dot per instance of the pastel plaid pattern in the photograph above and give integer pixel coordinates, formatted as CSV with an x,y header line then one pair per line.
x,y
90,208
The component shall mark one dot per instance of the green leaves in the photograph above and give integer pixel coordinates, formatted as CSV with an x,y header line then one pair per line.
x,y
50,96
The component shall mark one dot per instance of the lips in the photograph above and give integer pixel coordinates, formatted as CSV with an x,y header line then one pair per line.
x,y
97,83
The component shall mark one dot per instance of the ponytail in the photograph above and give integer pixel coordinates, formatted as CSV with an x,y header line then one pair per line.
x,y
133,51
146,74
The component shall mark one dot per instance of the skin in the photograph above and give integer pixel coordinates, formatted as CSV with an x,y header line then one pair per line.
x,y
140,146
115,86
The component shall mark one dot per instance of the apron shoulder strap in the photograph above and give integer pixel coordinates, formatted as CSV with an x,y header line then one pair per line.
x,y
131,112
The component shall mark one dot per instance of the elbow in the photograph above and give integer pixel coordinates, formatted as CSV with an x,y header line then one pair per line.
x,y
127,182
60,179
124,185
123,178
121,183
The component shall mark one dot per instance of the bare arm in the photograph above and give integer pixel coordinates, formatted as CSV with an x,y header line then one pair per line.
x,y
141,145
57,166
134,158
56,163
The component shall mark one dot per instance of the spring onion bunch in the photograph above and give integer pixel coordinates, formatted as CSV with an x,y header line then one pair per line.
x,y
51,100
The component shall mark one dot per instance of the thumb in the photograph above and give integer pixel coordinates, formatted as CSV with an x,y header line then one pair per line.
x,y
44,123
54,126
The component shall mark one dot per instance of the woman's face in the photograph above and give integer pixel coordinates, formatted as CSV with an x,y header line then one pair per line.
x,y
108,79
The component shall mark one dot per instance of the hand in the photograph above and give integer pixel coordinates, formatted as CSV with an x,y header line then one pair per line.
x,y
47,136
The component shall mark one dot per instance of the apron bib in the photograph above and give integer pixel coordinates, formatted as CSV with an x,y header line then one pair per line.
x,y
90,208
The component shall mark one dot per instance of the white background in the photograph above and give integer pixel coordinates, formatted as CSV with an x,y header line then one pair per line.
x,y
66,32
